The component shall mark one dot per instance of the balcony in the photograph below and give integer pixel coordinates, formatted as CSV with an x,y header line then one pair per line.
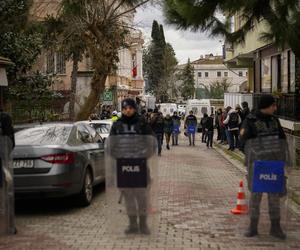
x,y
288,106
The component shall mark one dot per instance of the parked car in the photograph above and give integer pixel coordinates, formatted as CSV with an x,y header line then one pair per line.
x,y
102,127
57,160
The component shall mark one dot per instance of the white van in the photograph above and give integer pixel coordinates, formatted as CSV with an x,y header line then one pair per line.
x,y
199,108
167,108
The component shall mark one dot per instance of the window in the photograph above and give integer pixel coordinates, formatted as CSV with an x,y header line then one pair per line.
x,y
56,63
219,74
266,74
206,74
50,62
276,71
44,135
199,74
291,71
241,73
226,74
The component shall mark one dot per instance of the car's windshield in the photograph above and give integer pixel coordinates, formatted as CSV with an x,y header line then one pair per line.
x,y
44,135
101,128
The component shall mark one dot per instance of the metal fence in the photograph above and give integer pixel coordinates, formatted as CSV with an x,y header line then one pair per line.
x,y
288,106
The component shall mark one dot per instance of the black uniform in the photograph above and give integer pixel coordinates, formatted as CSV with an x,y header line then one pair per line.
x,y
136,200
263,127
6,127
135,124
209,127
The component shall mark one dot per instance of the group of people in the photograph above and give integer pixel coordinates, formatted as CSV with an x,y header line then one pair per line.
x,y
228,123
168,127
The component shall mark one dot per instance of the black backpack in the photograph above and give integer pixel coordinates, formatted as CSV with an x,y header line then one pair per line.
x,y
233,120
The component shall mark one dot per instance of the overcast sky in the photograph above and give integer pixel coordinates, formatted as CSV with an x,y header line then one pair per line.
x,y
186,44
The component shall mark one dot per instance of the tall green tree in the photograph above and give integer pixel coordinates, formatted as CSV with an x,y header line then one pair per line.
x,y
20,40
167,89
216,89
153,59
186,76
106,26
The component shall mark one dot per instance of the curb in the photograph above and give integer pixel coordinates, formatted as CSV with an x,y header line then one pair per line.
x,y
229,158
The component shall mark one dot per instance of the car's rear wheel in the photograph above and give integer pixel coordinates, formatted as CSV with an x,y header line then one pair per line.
x,y
86,194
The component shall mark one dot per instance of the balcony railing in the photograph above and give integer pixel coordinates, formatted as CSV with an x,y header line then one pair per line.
x,y
288,106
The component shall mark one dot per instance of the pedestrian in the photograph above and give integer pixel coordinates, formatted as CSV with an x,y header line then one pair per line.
x,y
7,144
191,126
223,128
168,129
245,110
176,128
233,121
135,200
6,126
157,125
261,126
203,127
209,127
218,122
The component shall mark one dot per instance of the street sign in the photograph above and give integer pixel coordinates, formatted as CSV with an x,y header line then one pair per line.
x,y
108,103
108,96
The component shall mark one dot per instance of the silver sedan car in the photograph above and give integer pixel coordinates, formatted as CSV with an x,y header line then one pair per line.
x,y
56,160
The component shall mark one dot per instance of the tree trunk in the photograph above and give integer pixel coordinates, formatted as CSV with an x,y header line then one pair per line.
x,y
73,87
97,88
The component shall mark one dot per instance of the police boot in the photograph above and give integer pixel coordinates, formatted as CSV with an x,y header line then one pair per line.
x,y
133,226
276,230
252,230
144,229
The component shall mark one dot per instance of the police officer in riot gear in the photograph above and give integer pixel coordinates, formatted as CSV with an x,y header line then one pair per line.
x,y
135,200
7,143
261,125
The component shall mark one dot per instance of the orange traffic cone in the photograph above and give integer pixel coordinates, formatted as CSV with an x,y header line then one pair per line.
x,y
241,204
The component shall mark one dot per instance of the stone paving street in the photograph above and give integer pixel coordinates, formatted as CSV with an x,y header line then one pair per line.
x,y
198,188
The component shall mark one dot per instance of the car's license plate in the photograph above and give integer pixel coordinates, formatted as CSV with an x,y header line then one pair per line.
x,y
23,163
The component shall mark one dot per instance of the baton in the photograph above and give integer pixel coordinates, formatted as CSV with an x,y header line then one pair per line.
x,y
121,198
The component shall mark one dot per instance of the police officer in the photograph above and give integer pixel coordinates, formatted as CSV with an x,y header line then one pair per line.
x,y
6,127
262,124
7,143
191,121
135,200
114,116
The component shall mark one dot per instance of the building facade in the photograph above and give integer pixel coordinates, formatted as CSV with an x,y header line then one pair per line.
x,y
126,81
272,70
209,69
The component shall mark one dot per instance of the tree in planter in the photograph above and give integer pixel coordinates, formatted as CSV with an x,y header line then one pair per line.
x,y
282,18
105,25
186,76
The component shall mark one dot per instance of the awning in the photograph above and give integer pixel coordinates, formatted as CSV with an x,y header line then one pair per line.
x,y
241,61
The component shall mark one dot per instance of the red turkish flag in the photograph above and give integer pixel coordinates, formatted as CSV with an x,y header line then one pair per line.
x,y
134,71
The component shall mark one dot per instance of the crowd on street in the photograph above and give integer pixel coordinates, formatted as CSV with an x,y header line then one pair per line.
x,y
226,122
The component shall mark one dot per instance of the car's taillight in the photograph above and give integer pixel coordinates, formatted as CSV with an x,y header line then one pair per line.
x,y
67,158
